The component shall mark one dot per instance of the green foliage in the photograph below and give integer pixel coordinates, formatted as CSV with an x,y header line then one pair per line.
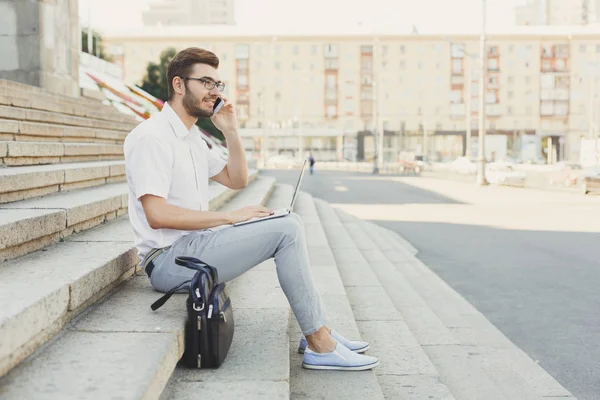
x,y
206,125
155,81
96,41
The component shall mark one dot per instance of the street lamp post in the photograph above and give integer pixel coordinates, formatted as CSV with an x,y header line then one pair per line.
x,y
481,179
468,114
375,106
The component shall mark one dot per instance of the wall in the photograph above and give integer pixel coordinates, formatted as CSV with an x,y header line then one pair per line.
x,y
39,41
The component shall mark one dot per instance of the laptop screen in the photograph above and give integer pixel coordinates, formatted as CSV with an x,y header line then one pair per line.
x,y
298,185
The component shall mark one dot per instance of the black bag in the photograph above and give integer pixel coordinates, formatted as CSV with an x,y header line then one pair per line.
x,y
209,326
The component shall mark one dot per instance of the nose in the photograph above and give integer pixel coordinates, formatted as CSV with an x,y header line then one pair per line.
x,y
215,91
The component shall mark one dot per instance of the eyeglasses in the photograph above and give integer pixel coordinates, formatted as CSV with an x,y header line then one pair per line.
x,y
208,83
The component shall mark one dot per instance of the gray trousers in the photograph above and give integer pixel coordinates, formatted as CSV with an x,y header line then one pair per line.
x,y
235,250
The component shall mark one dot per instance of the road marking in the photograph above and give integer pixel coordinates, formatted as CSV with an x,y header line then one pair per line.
x,y
340,188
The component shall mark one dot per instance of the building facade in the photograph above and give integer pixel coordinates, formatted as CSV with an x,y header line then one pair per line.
x,y
298,91
557,12
190,12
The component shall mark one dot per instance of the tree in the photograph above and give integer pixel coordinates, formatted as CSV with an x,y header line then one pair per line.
x,y
97,45
155,82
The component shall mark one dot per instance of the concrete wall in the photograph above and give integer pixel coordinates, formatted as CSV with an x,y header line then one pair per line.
x,y
39,42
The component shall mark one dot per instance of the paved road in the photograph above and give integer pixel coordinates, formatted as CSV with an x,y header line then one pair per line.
x,y
529,260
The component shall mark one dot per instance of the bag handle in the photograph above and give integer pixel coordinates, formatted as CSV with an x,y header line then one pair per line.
x,y
198,265
160,302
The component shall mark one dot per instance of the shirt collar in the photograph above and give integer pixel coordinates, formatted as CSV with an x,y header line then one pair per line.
x,y
176,123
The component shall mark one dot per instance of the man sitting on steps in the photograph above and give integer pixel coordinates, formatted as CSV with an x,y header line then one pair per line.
x,y
168,166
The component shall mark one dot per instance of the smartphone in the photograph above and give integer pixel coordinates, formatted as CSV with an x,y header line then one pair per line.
x,y
218,104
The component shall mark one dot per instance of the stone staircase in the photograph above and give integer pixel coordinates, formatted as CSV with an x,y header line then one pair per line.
x,y
75,321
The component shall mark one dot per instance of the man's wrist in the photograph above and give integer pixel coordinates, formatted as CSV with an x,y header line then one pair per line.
x,y
231,134
228,217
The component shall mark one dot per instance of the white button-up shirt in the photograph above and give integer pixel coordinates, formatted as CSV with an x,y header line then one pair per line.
x,y
163,158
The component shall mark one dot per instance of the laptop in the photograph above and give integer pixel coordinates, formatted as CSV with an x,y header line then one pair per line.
x,y
282,212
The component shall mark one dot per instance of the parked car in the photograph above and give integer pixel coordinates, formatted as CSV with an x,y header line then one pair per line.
x,y
463,165
409,162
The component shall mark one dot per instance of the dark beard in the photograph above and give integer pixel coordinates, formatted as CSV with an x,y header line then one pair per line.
x,y
190,103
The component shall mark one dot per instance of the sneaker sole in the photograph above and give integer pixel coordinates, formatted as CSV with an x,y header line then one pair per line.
x,y
359,351
340,368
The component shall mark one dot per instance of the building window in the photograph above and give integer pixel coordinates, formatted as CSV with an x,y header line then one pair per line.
x,y
509,111
491,97
493,64
510,80
457,66
402,65
528,80
582,48
331,50
366,49
277,49
313,49
331,111
277,65
242,51
456,96
510,95
598,48
402,49
457,50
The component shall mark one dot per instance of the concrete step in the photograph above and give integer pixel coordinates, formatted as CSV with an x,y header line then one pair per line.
x,y
19,183
447,326
25,96
16,153
477,339
26,131
405,371
29,225
327,384
61,282
257,366
47,117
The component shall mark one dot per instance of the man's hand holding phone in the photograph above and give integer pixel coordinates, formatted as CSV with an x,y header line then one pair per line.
x,y
224,117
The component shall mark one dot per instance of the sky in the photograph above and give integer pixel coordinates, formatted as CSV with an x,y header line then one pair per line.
x,y
425,14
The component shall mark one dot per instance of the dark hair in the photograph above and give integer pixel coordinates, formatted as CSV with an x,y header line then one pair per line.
x,y
183,62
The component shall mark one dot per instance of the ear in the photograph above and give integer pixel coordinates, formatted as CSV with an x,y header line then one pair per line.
x,y
178,85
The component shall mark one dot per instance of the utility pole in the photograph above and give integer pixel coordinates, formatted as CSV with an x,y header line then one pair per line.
x,y
468,113
481,179
375,105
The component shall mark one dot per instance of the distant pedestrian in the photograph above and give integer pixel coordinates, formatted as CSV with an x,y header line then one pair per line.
x,y
311,161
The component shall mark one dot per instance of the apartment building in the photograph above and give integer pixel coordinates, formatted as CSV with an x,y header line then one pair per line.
x,y
329,92
557,12
190,12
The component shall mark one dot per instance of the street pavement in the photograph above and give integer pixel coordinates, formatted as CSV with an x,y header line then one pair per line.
x,y
528,259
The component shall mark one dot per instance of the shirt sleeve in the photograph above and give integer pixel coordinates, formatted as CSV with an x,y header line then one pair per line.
x,y
150,165
215,162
